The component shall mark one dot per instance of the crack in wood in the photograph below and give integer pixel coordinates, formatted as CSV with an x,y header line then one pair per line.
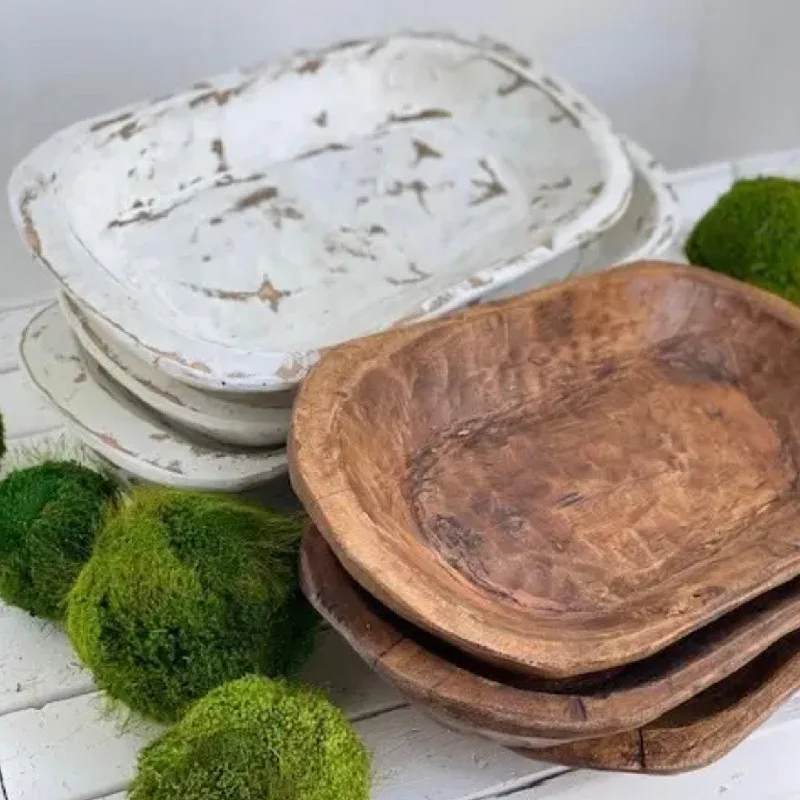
x,y
558,772
642,749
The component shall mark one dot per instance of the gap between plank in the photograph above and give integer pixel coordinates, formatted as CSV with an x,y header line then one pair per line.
x,y
377,712
48,700
508,791
535,783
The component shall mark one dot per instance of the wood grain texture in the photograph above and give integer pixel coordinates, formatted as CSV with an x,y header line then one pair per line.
x,y
701,731
469,695
570,480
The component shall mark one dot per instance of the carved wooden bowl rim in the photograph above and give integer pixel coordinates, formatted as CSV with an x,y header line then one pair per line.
x,y
432,596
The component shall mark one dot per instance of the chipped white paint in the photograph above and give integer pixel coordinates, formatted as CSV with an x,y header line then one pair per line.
x,y
647,229
248,420
229,233
122,431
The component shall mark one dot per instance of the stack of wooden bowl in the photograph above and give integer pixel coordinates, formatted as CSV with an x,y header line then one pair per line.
x,y
210,245
568,522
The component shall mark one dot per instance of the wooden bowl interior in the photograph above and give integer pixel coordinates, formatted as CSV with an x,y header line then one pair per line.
x,y
565,452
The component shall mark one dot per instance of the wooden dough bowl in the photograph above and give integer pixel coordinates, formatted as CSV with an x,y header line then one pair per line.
x,y
471,696
570,480
699,732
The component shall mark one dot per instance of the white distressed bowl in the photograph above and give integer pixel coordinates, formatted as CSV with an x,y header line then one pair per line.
x,y
249,421
120,430
647,229
229,233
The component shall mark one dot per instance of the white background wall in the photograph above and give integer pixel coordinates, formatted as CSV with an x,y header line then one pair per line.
x,y
694,80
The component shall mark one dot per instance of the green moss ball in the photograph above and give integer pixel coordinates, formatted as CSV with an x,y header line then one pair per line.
x,y
753,234
186,591
49,515
256,739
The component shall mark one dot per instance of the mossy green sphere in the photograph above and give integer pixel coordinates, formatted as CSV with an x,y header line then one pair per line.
x,y
184,592
753,234
49,516
256,739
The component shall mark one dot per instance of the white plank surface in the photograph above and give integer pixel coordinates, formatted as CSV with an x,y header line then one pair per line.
x,y
70,750
786,163
73,750
415,758
347,680
24,410
764,767
37,665
11,324
698,188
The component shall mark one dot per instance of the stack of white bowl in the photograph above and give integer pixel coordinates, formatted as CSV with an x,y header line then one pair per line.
x,y
208,246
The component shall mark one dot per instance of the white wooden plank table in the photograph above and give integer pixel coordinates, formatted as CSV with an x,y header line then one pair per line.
x,y
58,741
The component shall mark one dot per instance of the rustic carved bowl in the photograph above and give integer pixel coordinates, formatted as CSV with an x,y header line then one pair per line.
x,y
469,695
570,480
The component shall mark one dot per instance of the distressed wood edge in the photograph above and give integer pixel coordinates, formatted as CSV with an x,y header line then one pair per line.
x,y
511,713
699,732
